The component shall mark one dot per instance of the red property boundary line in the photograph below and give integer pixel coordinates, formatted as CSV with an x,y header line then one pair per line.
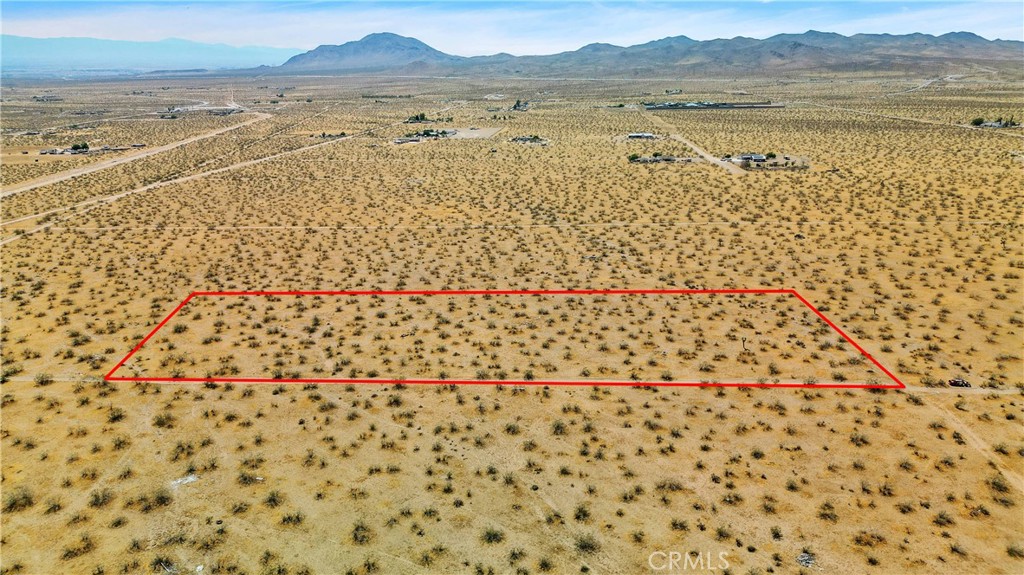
x,y
897,384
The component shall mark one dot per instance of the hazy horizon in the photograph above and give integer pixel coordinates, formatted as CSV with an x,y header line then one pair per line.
x,y
484,28
596,41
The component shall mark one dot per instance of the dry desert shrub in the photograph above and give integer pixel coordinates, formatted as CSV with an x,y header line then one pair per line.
x,y
905,231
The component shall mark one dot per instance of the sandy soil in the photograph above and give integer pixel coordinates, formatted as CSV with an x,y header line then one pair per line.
x,y
911,242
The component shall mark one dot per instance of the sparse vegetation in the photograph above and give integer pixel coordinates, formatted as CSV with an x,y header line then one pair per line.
x,y
911,246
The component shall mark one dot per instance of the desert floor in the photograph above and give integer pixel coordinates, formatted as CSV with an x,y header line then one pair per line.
x,y
907,231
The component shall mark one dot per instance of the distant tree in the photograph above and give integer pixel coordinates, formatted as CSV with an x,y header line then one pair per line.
x,y
977,121
770,155
634,157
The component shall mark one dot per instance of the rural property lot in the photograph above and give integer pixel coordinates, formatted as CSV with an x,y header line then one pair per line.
x,y
906,234
618,337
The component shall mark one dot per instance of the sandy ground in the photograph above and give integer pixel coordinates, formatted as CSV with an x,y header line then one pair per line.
x,y
501,337
474,133
912,245
121,159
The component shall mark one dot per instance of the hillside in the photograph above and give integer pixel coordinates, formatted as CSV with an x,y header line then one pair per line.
x,y
383,50
808,52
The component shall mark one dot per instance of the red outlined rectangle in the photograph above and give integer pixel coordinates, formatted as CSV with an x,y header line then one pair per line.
x,y
896,383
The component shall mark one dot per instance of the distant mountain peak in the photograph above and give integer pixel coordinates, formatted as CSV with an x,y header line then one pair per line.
x,y
819,34
668,42
964,36
388,38
811,51
373,51
600,47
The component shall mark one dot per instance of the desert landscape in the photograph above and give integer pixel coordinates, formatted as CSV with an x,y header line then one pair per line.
x,y
906,229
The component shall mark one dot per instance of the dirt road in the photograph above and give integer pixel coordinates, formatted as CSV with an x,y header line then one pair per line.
x,y
727,166
88,205
103,165
997,132
983,447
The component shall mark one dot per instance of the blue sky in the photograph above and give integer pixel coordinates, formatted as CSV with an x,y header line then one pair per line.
x,y
475,28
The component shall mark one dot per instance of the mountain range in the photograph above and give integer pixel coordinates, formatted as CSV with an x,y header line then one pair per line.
x,y
807,52
386,53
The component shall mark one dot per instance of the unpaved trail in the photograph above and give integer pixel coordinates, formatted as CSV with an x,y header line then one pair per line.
x,y
83,207
925,84
979,444
963,391
103,165
998,132
88,205
727,166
